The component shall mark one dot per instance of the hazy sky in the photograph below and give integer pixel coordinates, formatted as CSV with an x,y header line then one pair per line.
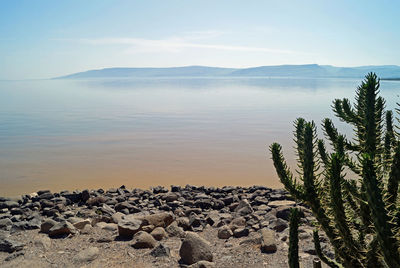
x,y
41,39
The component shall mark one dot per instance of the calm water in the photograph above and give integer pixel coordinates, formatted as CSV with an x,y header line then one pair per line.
x,y
59,134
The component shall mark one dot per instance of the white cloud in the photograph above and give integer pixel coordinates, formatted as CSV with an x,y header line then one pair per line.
x,y
177,44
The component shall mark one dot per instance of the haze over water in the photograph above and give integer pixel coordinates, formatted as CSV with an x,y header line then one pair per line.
x,y
102,133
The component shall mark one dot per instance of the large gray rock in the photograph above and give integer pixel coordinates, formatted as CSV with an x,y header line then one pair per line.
x,y
61,229
268,242
143,240
86,255
129,226
194,249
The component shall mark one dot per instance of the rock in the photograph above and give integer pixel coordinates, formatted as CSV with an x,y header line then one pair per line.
x,y
224,232
159,220
161,251
61,229
159,233
143,240
116,217
129,226
310,249
9,245
5,223
9,204
85,195
241,232
87,229
268,242
96,201
202,264
107,226
81,223
194,249
47,225
238,222
253,239
184,223
244,208
86,255
170,197
283,212
43,242
278,203
278,225
174,230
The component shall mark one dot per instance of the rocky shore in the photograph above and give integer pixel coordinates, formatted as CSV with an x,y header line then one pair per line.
x,y
178,227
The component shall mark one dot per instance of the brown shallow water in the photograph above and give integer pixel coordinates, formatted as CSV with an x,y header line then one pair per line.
x,y
57,134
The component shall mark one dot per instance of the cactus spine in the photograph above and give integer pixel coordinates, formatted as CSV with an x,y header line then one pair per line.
x,y
351,187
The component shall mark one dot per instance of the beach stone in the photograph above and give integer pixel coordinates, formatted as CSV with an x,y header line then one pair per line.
x,y
237,222
61,229
174,230
129,226
224,232
159,233
244,208
85,195
194,249
161,251
107,226
278,225
9,245
278,203
241,232
5,223
116,217
268,242
9,204
143,240
159,220
86,255
47,225
81,223
283,212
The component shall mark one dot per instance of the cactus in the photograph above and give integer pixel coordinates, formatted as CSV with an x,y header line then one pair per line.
x,y
351,187
294,238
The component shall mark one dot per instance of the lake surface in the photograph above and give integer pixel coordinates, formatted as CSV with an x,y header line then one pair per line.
x,y
63,134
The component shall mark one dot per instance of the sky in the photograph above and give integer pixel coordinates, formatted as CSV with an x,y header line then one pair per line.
x,y
47,38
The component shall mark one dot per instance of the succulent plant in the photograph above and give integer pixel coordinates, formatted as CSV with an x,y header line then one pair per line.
x,y
352,186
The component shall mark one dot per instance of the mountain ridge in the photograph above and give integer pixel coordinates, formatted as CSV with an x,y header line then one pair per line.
x,y
287,70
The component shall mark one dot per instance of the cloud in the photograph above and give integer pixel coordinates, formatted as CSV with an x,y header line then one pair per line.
x,y
176,44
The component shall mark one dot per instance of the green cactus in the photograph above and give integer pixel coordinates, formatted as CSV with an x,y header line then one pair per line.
x,y
351,187
294,222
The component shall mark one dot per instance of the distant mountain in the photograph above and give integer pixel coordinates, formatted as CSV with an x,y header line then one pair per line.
x,y
306,70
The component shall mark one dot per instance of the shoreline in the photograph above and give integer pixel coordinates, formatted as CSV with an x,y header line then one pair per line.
x,y
233,226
